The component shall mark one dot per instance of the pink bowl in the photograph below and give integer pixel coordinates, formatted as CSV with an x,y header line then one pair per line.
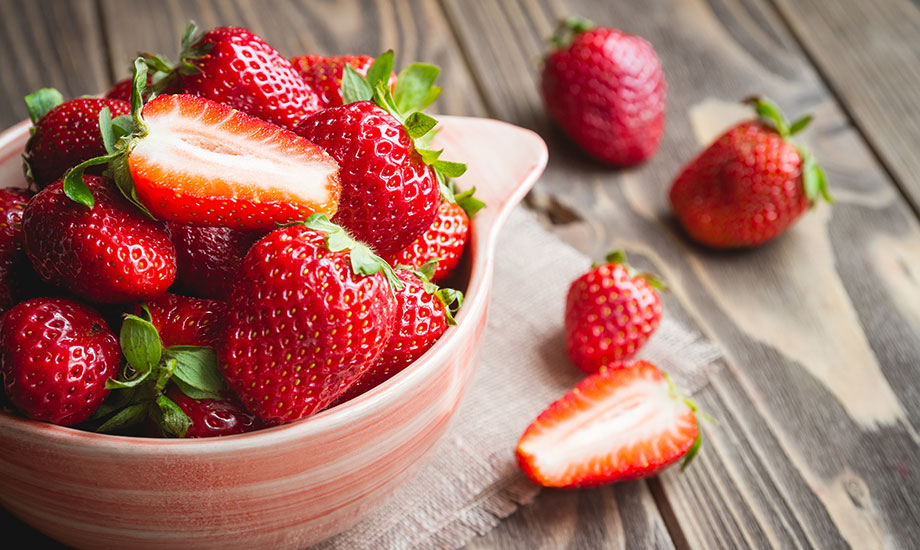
x,y
287,486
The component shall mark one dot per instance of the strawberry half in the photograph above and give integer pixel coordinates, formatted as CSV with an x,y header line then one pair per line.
x,y
625,422
190,160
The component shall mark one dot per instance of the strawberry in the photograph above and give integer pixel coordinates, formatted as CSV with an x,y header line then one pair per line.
x,y
324,74
233,66
610,312
390,190
423,313
309,314
181,320
65,133
111,253
208,258
750,185
606,90
445,239
56,357
625,422
190,160
16,277
214,417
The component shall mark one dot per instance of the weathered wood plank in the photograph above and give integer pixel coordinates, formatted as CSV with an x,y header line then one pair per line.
x,y
868,53
48,44
817,442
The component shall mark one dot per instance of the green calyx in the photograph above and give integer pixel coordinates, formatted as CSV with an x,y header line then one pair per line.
x,y
814,180
41,101
451,299
139,392
567,29
676,395
619,257
362,258
163,72
119,136
465,199
414,92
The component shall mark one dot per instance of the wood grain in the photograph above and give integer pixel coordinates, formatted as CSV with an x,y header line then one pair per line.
x,y
816,444
868,53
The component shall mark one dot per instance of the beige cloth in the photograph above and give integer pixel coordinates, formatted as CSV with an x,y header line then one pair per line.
x,y
472,481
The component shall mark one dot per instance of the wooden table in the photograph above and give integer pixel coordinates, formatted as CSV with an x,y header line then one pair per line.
x,y
818,399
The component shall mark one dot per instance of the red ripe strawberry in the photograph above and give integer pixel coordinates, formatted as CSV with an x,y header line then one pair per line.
x,y
208,258
233,66
12,204
445,239
750,185
122,89
423,313
111,253
610,312
214,417
65,133
309,314
625,422
16,278
185,321
56,357
324,74
606,89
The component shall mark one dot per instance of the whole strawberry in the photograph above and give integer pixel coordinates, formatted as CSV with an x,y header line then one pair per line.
x,y
185,321
65,134
109,253
610,312
208,258
233,66
57,355
309,314
324,74
390,190
606,90
750,185
423,313
16,276
445,239
625,422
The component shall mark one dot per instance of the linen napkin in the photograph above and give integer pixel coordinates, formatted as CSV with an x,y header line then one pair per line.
x,y
472,481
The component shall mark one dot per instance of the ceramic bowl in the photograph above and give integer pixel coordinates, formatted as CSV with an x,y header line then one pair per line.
x,y
286,486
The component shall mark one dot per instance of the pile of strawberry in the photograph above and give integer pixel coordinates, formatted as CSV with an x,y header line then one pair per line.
x,y
225,243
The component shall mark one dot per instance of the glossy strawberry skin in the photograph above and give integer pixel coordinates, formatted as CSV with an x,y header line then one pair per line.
x,y
185,321
743,190
609,316
445,239
56,357
16,276
241,70
209,258
420,322
67,135
324,74
110,254
389,195
302,327
214,417
645,429
187,169
606,90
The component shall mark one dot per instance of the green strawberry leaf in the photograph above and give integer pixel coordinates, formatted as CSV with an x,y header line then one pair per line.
x,y
568,28
196,366
194,392
174,421
469,203
107,130
418,124
74,186
449,169
451,299
134,381
365,262
380,69
770,114
616,257
799,125
41,101
413,85
429,156
354,87
694,449
138,85
814,182
125,418
140,343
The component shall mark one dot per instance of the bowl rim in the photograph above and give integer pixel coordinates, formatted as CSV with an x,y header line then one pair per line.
x,y
484,235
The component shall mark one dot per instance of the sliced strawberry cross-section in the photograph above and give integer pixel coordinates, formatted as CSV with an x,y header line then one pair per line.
x,y
625,422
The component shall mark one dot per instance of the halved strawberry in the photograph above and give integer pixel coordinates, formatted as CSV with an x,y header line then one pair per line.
x,y
191,160
625,422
